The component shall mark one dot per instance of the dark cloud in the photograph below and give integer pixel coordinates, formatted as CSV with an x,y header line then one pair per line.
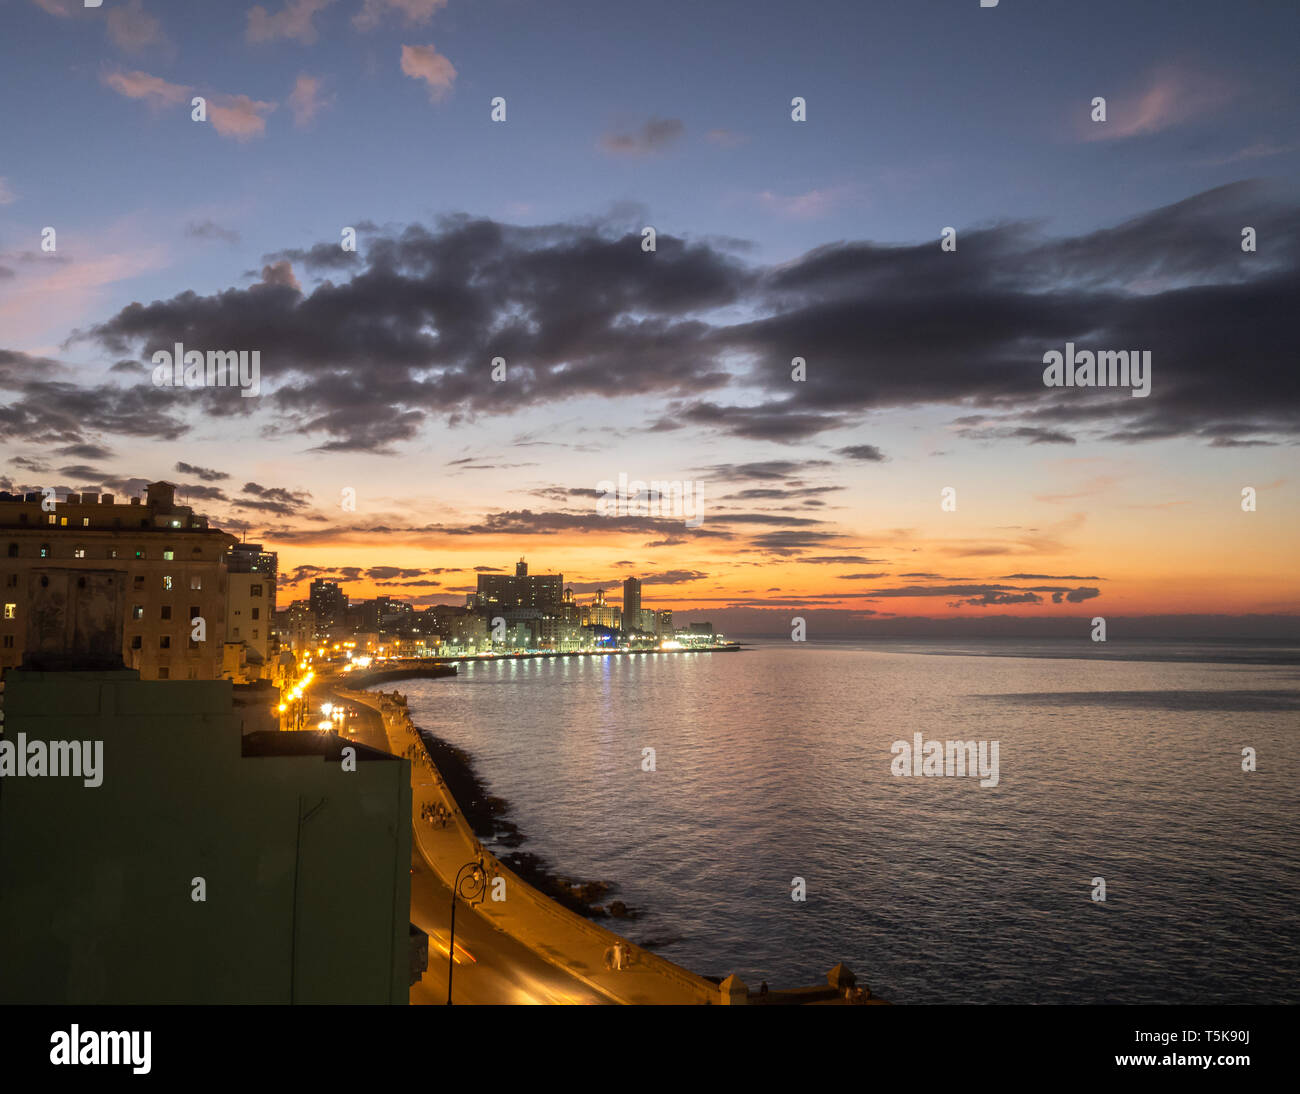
x,y
862,452
189,492
322,256
207,474
1041,577
207,229
843,560
409,334
45,411
85,451
272,499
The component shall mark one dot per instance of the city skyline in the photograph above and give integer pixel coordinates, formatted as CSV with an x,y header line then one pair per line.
x,y
776,239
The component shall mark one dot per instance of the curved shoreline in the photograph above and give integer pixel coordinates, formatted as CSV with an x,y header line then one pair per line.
x,y
487,817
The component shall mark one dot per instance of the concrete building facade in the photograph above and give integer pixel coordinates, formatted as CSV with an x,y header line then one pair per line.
x,y
206,866
172,566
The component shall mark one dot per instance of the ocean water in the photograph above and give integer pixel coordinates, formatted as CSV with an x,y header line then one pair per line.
x,y
775,763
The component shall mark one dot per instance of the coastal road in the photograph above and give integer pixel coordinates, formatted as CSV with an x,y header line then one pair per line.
x,y
493,967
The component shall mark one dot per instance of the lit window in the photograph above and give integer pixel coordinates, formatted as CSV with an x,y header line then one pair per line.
x,y
139,554
45,550
137,611
196,582
112,552
85,522
51,519
167,581
79,552
11,611
168,555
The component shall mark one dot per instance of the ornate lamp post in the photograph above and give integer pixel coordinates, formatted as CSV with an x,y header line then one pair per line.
x,y
471,887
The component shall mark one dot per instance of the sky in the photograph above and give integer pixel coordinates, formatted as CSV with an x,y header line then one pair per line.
x,y
522,239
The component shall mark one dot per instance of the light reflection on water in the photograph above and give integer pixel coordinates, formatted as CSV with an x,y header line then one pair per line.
x,y
775,763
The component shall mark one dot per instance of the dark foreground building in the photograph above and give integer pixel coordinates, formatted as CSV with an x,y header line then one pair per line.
x,y
303,864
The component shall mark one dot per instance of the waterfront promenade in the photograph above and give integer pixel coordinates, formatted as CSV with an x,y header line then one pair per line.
x,y
572,944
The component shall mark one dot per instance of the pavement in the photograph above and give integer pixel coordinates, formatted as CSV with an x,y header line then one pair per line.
x,y
525,947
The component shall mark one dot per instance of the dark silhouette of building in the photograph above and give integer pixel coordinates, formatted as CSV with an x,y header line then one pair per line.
x,y
631,604
329,604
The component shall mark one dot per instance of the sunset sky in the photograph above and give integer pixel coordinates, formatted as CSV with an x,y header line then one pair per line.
x,y
819,239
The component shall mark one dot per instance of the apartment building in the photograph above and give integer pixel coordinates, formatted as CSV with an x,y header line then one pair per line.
x,y
171,561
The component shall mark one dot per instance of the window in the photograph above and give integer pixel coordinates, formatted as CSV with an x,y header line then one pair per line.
x,y
164,673
79,552
45,550
112,552
51,519
9,641
168,555
164,641
254,634
255,590
138,582
167,581
257,613
137,611
85,522
11,611
135,642
63,522
194,611
166,611
12,581
139,552
13,550
196,582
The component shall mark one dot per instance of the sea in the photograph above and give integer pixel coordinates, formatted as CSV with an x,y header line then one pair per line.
x,y
771,833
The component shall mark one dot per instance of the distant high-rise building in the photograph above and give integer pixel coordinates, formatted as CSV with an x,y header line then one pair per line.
x,y
542,593
601,614
300,626
328,603
631,603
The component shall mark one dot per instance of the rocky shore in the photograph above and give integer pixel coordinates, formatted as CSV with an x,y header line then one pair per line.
x,y
488,817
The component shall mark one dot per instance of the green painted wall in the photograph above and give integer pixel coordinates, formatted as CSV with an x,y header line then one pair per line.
x,y
95,883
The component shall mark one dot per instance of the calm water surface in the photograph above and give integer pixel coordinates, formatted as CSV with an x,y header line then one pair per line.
x,y
774,763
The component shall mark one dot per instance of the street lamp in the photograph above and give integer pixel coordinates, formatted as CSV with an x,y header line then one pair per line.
x,y
471,887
